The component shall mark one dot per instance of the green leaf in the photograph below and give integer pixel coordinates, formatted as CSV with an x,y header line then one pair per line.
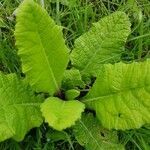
x,y
55,135
19,108
72,94
104,43
121,95
61,114
41,46
92,136
72,79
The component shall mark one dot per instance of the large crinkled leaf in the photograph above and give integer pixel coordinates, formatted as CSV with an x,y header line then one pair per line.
x,y
41,46
121,95
61,114
72,79
90,134
103,43
19,108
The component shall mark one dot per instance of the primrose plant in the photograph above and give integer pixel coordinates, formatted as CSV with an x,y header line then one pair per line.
x,y
120,95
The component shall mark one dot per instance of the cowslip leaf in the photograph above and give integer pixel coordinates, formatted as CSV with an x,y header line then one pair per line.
x,y
92,136
103,43
121,95
41,46
61,114
19,108
72,79
72,94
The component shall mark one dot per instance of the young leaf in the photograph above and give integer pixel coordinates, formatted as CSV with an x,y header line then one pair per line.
x,y
72,79
61,114
72,94
121,95
41,46
19,108
92,136
104,43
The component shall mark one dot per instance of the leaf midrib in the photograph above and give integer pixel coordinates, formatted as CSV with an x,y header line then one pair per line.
x,y
112,94
45,56
47,61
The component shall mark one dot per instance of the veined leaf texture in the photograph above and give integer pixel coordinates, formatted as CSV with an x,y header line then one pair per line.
x,y
103,43
19,108
121,95
41,47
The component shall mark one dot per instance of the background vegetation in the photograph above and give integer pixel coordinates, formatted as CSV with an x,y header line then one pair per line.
x,y
76,17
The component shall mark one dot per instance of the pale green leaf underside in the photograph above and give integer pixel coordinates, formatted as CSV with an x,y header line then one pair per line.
x,y
121,95
41,46
19,109
61,114
92,136
103,43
